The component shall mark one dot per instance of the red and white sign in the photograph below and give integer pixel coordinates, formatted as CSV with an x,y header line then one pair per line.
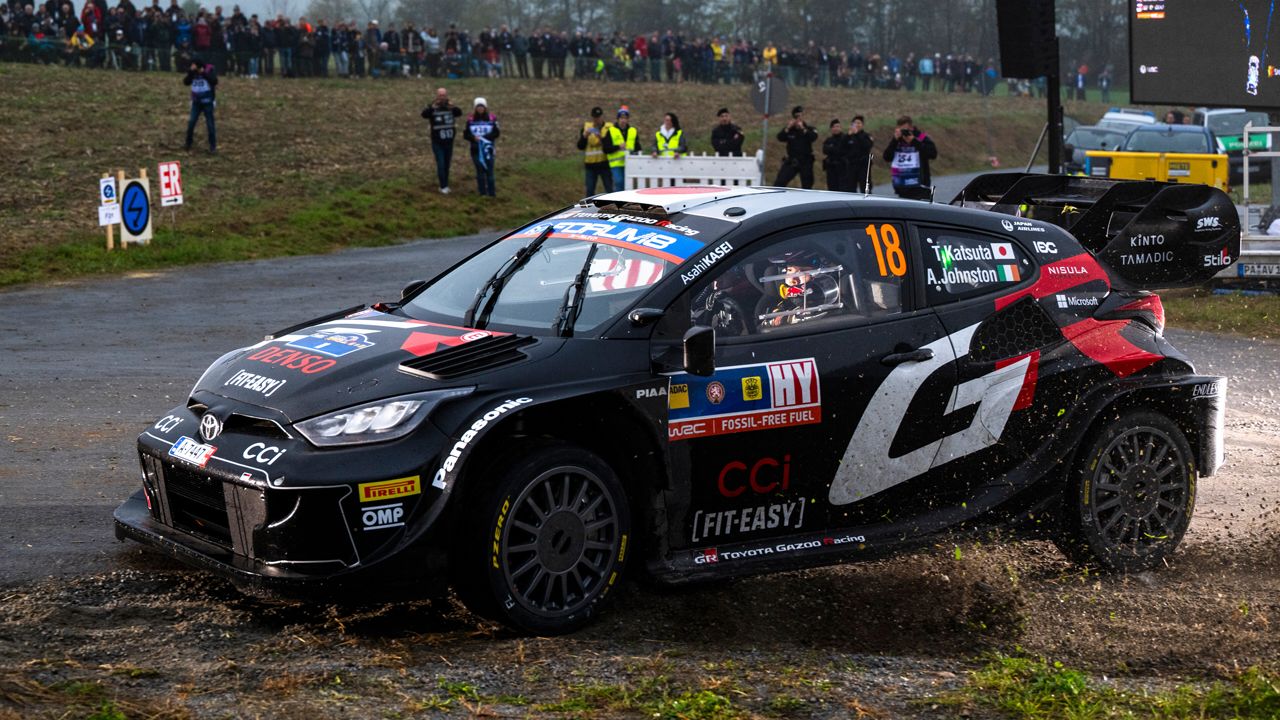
x,y
170,184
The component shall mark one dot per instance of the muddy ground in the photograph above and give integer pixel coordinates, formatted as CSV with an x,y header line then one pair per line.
x,y
91,625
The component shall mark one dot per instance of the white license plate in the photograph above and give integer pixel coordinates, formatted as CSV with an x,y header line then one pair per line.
x,y
1259,269
191,451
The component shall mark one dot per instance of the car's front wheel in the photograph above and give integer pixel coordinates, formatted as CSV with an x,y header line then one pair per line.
x,y
1131,495
546,545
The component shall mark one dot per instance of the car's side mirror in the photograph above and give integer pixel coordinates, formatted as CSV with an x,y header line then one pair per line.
x,y
700,350
412,288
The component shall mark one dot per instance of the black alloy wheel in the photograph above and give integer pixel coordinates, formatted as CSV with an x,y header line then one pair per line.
x,y
555,541
1133,496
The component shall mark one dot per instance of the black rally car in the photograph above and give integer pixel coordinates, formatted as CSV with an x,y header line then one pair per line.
x,y
700,382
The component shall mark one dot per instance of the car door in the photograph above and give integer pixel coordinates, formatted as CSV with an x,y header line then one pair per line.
x,y
778,441
1001,338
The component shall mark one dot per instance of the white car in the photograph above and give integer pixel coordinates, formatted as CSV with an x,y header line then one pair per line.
x,y
1251,84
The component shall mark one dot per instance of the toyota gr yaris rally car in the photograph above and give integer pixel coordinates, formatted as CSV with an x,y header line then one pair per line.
x,y
700,382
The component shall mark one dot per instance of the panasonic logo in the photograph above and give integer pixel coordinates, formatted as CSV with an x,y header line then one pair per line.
x,y
441,477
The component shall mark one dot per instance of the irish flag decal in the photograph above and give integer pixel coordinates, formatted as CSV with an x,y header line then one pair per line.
x,y
1009,273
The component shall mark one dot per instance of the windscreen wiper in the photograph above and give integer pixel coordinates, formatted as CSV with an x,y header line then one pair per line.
x,y
499,280
570,307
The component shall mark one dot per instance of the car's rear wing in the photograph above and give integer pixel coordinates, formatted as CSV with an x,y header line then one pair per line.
x,y
1149,234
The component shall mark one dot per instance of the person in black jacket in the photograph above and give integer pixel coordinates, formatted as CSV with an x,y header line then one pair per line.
x,y
443,116
834,157
799,138
204,84
726,137
908,155
858,155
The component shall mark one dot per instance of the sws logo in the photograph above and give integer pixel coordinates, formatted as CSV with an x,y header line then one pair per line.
x,y
1209,223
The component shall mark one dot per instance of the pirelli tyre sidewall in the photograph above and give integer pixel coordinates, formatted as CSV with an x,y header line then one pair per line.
x,y
556,524
1132,494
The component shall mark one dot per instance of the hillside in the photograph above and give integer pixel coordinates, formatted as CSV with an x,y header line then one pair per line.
x,y
309,166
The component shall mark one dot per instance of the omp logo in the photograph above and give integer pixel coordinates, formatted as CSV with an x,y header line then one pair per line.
x,y
1209,223
793,383
388,489
382,517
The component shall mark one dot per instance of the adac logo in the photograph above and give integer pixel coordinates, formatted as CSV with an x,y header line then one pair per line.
x,y
210,427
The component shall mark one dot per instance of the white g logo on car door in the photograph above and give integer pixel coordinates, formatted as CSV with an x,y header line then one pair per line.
x,y
263,453
867,468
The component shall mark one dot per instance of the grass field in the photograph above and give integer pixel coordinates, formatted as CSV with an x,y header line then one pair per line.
x,y
311,166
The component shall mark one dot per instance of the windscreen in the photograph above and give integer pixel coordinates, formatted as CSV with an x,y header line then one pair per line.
x,y
1233,123
593,265
1174,142
1095,139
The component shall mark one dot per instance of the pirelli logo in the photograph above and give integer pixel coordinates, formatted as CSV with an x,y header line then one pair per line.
x,y
389,489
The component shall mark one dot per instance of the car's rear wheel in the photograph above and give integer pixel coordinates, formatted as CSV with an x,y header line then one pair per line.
x,y
1131,496
544,548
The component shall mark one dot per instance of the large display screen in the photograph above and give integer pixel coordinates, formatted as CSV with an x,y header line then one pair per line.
x,y
1223,53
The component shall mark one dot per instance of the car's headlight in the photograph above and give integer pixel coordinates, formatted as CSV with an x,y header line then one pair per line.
x,y
376,421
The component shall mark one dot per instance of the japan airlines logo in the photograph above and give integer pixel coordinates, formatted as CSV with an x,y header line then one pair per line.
x,y
867,467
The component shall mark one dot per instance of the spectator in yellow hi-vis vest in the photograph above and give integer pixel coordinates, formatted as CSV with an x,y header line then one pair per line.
x,y
669,140
626,140
595,143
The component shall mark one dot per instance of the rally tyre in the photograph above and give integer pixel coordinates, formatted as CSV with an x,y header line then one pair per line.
x,y
548,542
1131,494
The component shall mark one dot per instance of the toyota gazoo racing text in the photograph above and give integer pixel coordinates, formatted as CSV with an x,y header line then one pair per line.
x,y
700,382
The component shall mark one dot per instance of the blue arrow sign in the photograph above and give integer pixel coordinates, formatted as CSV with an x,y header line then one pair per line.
x,y
136,208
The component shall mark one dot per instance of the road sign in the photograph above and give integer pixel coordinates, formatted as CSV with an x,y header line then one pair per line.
x,y
108,214
107,191
135,212
769,95
170,184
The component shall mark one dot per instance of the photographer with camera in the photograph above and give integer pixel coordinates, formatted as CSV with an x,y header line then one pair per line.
x,y
204,83
799,139
908,155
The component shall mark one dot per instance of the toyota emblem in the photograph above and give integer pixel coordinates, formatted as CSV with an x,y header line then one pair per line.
x,y
210,426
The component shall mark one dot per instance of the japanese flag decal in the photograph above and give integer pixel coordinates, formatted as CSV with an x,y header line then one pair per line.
x,y
867,468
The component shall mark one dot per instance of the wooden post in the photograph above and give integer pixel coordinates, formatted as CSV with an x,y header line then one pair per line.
x,y
111,235
151,211
119,190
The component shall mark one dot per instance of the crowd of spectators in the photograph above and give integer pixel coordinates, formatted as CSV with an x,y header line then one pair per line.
x,y
132,37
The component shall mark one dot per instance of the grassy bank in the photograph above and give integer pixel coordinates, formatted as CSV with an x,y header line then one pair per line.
x,y
311,166
1247,316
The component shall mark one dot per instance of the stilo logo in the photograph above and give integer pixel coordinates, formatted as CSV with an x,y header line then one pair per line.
x,y
210,427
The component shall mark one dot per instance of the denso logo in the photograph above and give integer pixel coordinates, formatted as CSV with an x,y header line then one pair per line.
x,y
293,359
764,476
1209,223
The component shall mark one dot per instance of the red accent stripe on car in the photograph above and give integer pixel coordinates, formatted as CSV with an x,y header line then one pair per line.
x,y
1059,276
1028,392
1102,342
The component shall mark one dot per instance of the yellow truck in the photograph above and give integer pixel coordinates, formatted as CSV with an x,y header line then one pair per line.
x,y
1168,153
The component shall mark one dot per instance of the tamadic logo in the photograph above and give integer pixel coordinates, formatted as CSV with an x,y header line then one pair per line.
x,y
388,489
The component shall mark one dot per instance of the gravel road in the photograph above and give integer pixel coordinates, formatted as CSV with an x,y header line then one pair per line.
x,y
86,365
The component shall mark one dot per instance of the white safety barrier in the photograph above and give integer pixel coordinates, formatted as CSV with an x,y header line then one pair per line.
x,y
644,171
